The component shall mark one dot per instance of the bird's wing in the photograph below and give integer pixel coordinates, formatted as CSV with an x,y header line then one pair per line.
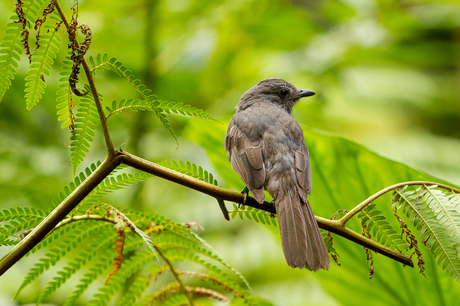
x,y
247,160
303,172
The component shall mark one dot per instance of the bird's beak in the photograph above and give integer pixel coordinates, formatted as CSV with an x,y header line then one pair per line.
x,y
304,93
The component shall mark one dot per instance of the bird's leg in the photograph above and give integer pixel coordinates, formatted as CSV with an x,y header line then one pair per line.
x,y
245,192
272,215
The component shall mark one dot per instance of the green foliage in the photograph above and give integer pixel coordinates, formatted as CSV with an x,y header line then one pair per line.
x,y
41,65
90,240
380,229
86,120
178,108
254,214
103,62
10,52
11,45
108,185
437,221
148,102
16,220
190,169
57,251
64,97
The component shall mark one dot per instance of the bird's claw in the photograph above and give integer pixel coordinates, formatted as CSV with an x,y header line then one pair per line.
x,y
272,214
245,192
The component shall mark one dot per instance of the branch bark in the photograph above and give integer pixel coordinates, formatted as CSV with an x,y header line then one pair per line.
x,y
58,214
337,227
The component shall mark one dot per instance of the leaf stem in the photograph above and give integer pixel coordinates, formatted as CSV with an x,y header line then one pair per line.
x,y
71,219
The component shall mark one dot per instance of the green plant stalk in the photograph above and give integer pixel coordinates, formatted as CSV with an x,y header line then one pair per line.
x,y
176,275
105,129
69,220
336,227
58,214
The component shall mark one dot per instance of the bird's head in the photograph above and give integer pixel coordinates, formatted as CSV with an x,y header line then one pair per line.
x,y
276,91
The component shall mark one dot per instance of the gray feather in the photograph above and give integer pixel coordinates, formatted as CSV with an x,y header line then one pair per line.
x,y
246,158
265,146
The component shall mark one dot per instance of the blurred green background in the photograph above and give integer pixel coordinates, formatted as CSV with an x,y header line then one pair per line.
x,y
386,74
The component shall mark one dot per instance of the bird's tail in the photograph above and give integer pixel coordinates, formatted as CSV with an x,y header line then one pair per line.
x,y
303,245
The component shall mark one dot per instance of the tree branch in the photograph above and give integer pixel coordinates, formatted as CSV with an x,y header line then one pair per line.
x,y
58,214
220,193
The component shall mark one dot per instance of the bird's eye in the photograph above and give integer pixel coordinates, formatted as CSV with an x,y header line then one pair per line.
x,y
283,93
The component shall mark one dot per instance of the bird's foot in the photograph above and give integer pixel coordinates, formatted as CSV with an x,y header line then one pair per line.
x,y
272,214
245,192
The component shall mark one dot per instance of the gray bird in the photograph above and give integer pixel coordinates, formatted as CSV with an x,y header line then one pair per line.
x,y
266,147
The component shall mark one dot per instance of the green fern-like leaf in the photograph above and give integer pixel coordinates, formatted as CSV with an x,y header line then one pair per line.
x,y
176,300
180,108
4,237
180,254
42,62
445,212
22,213
254,214
136,289
130,266
50,239
111,184
380,229
165,122
177,242
64,97
60,248
190,169
434,235
130,104
10,55
180,245
18,219
86,121
102,62
182,238
78,180
11,45
83,258
32,10
97,268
